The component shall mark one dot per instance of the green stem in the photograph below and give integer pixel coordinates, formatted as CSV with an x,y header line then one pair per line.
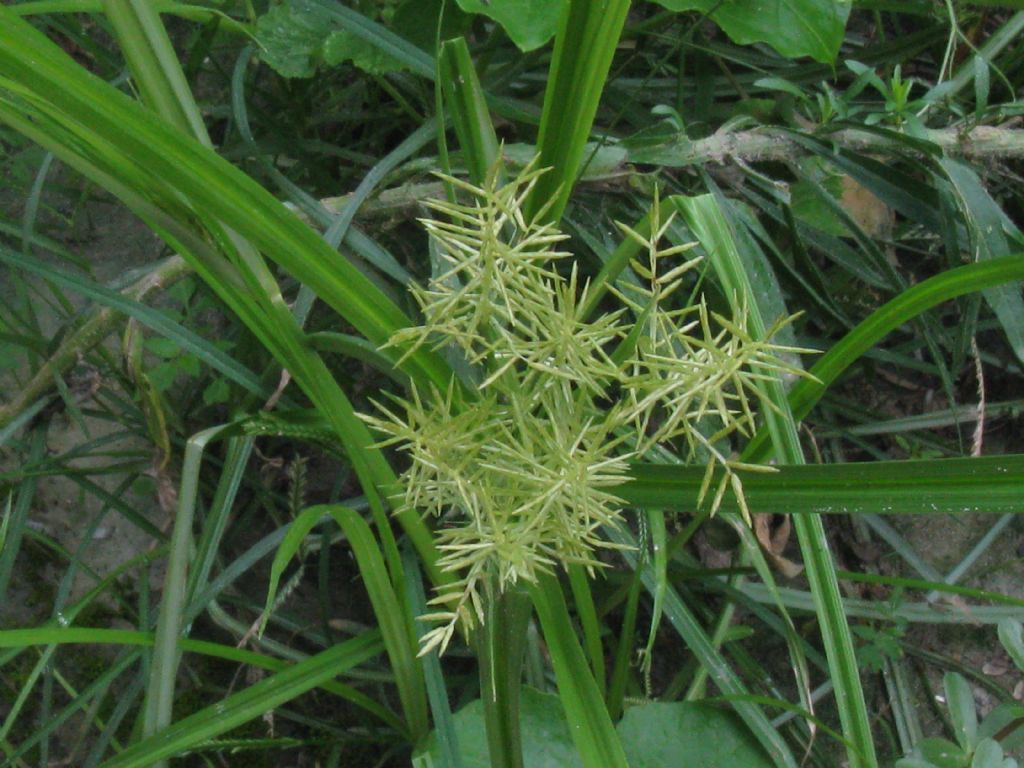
x,y
500,648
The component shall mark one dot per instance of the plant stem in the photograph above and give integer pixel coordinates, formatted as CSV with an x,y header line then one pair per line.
x,y
501,643
981,142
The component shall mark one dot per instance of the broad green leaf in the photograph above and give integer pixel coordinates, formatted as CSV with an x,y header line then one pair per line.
x,y
962,711
988,755
688,733
699,643
288,41
792,27
941,753
1005,720
547,742
528,23
1013,642
653,735
297,37
808,207
342,46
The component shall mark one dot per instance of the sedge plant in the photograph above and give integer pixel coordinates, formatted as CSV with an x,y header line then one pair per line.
x,y
564,399
519,459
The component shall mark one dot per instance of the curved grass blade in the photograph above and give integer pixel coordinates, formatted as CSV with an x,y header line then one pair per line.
x,y
246,705
164,666
56,635
139,158
912,302
391,615
140,146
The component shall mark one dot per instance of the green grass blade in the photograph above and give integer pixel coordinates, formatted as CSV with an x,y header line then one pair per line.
x,y
157,321
218,516
437,691
873,610
79,701
887,318
586,611
700,645
624,649
54,635
658,564
197,13
989,484
143,146
392,614
249,704
138,157
500,643
16,515
592,730
988,228
706,221
154,64
614,265
588,33
164,665
467,107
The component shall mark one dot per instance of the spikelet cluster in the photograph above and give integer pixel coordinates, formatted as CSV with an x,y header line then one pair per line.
x,y
521,465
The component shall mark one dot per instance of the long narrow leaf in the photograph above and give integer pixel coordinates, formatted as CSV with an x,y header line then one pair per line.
x,y
705,220
990,484
588,33
592,729
467,105
249,704
887,318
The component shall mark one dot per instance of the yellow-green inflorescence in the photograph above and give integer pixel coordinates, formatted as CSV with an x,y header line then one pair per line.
x,y
521,465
